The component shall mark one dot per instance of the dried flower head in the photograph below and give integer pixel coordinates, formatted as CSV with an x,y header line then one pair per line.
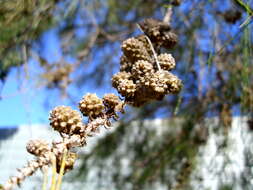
x,y
140,68
118,77
127,88
91,105
37,147
159,33
134,50
125,64
111,101
165,82
65,120
167,62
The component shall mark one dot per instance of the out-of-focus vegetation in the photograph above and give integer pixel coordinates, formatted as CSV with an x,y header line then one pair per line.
x,y
20,23
214,59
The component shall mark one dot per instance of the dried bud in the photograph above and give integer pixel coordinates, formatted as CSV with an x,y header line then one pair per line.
x,y
126,88
37,147
168,40
167,62
143,38
117,78
91,105
174,84
134,50
125,64
65,120
163,82
140,68
111,101
159,33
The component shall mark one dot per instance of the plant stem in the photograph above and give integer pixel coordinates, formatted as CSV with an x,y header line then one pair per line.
x,y
63,163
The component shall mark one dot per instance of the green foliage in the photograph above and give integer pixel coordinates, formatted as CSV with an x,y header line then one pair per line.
x,y
20,22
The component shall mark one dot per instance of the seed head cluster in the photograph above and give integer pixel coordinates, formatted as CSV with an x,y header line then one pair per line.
x,y
91,105
65,120
144,74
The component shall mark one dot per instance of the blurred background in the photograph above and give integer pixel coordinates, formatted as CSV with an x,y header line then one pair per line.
x,y
52,52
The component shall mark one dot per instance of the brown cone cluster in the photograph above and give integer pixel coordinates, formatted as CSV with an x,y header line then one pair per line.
x,y
144,74
37,147
65,120
112,103
159,33
91,105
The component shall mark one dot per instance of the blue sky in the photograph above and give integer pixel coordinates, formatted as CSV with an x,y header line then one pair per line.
x,y
21,102
24,102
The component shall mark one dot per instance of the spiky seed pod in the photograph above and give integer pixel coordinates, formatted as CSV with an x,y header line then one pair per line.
x,y
134,50
118,77
69,162
111,101
141,68
37,147
65,120
127,88
91,105
125,64
167,62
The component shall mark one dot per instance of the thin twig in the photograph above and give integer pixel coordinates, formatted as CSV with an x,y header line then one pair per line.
x,y
167,16
152,48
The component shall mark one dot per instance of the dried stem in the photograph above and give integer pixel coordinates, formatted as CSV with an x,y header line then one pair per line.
x,y
167,16
53,182
63,162
26,171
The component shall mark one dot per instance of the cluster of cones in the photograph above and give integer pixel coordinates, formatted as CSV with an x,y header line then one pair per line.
x,y
144,72
144,75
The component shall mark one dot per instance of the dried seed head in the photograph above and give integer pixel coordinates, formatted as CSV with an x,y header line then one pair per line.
x,y
91,105
142,38
167,62
140,68
168,40
174,84
37,147
65,120
125,64
126,88
111,100
159,33
165,82
134,50
118,77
